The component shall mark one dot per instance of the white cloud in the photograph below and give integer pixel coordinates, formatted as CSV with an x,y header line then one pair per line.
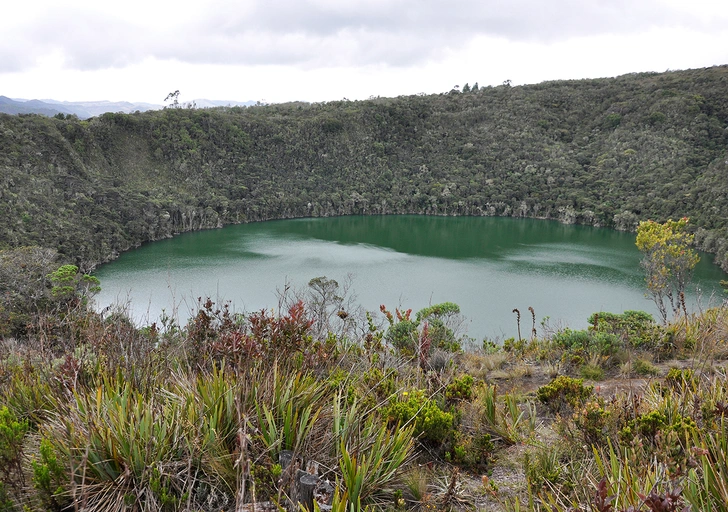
x,y
327,49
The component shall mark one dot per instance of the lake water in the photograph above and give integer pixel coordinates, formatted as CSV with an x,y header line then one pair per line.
x,y
487,265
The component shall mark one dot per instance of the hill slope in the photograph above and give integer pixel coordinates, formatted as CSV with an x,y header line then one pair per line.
x,y
605,152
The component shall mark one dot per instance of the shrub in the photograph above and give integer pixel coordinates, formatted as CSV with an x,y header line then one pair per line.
x,y
435,323
460,388
12,434
442,336
562,391
49,477
604,343
514,346
402,336
634,327
647,425
473,450
592,372
677,378
431,423
644,367
590,421
569,339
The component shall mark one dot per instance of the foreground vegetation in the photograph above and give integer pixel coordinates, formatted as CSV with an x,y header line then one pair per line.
x,y
606,152
333,408
319,405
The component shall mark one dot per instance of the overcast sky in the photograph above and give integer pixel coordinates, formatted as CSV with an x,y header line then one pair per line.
x,y
320,50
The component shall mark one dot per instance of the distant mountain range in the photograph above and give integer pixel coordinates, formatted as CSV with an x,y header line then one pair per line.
x,y
86,109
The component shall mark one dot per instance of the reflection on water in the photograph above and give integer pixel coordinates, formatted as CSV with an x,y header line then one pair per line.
x,y
486,265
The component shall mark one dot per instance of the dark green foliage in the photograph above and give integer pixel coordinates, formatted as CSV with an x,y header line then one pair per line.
x,y
590,421
677,378
460,389
570,339
440,311
600,342
49,477
605,152
563,391
650,423
441,336
635,328
432,424
430,328
438,317
612,120
403,336
473,450
12,434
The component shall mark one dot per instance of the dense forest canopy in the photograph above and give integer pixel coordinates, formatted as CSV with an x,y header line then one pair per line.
x,y
604,152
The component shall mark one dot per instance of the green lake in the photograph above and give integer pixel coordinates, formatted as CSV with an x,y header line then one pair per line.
x,y
487,265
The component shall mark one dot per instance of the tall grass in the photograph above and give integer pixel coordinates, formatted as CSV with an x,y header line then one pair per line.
x,y
121,447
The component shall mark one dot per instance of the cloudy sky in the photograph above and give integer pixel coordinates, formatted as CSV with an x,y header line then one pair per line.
x,y
320,50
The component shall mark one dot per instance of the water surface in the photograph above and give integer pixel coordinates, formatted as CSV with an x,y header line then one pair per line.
x,y
487,265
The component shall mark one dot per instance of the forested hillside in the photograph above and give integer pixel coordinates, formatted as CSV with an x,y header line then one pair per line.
x,y
605,152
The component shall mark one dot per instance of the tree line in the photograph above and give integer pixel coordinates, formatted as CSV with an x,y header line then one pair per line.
x,y
604,152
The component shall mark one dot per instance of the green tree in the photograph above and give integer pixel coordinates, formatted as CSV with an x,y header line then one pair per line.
x,y
68,283
24,287
668,261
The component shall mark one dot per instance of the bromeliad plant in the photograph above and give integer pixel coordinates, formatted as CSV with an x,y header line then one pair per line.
x,y
368,470
122,448
370,454
505,419
288,409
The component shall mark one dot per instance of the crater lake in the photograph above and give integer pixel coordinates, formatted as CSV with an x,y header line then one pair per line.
x,y
486,265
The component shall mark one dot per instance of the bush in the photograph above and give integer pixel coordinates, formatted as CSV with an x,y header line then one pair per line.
x,y
569,340
590,421
592,372
431,422
402,336
634,327
511,345
603,343
644,367
473,450
12,434
562,391
49,477
677,378
460,389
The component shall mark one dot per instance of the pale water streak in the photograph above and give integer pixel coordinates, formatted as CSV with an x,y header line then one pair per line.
x,y
488,266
